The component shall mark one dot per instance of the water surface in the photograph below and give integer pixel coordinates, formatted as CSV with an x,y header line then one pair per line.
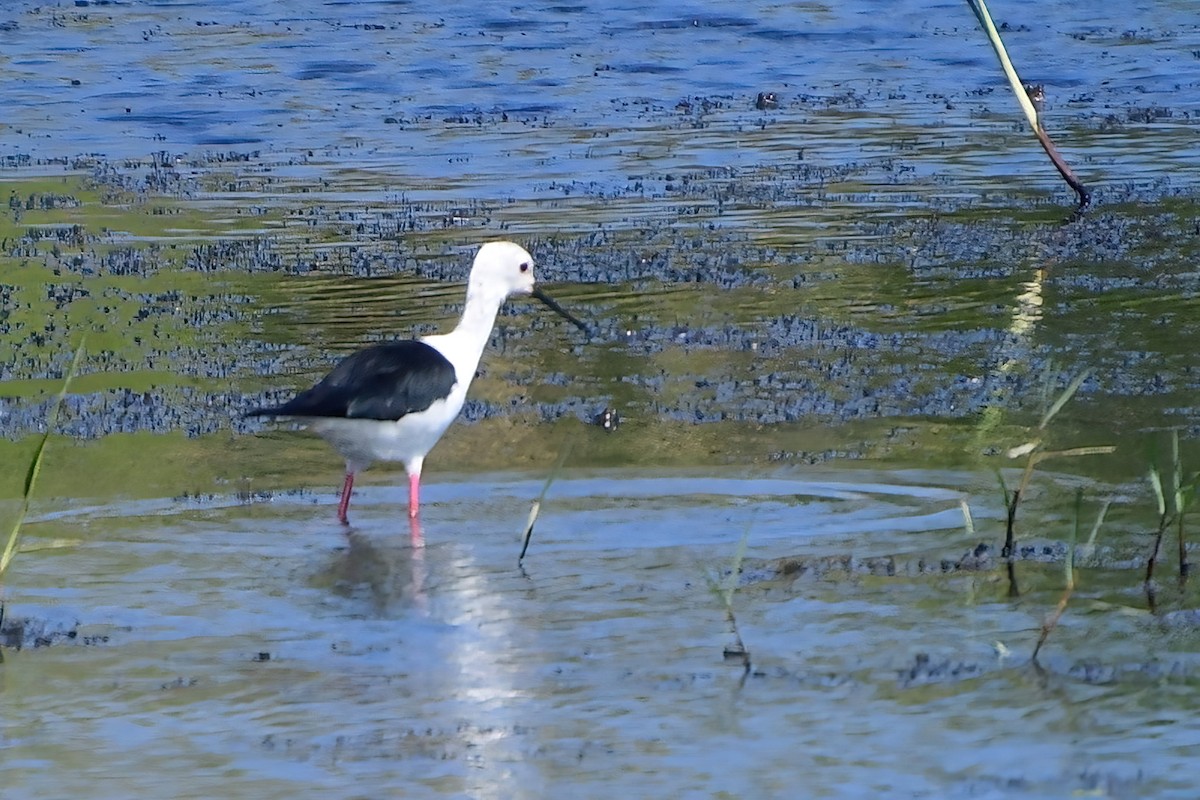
x,y
822,324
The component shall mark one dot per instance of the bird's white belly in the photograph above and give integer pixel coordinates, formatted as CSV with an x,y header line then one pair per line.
x,y
407,440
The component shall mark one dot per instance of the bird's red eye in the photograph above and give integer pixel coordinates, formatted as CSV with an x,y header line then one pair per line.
x,y
524,266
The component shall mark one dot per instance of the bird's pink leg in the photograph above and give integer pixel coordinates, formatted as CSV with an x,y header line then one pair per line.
x,y
414,495
344,505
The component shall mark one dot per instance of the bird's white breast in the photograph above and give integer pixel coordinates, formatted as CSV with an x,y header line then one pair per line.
x,y
363,441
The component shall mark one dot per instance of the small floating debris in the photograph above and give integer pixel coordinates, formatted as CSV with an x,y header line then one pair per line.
x,y
608,419
737,652
766,101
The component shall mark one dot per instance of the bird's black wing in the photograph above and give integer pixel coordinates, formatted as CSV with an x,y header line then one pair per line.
x,y
384,382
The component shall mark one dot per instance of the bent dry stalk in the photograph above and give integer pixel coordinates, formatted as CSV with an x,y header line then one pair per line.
x,y
1051,621
1027,103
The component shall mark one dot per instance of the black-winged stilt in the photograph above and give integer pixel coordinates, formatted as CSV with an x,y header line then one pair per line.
x,y
393,401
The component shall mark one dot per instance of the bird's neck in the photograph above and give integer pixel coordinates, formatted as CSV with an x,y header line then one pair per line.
x,y
471,335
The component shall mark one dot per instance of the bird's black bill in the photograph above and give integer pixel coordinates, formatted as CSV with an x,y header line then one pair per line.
x,y
557,309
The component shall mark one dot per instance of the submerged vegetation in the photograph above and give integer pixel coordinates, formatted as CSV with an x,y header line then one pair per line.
x,y
1173,504
1035,453
710,363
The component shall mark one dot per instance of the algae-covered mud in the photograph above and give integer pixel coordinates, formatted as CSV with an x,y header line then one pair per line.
x,y
823,317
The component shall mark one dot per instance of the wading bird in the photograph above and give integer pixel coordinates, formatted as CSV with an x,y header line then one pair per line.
x,y
393,401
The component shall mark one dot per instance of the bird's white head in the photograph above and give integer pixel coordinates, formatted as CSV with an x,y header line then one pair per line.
x,y
502,269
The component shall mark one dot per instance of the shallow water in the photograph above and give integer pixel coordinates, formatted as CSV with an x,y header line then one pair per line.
x,y
822,325
255,649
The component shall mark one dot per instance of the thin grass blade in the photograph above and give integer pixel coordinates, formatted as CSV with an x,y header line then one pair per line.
x,y
1176,474
537,504
1091,540
1063,398
35,466
1156,485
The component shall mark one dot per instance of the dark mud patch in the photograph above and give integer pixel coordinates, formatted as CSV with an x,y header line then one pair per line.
x,y
437,743
1098,782
19,632
925,669
983,557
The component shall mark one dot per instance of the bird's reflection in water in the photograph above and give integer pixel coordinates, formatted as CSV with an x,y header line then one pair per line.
x,y
386,571
450,638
